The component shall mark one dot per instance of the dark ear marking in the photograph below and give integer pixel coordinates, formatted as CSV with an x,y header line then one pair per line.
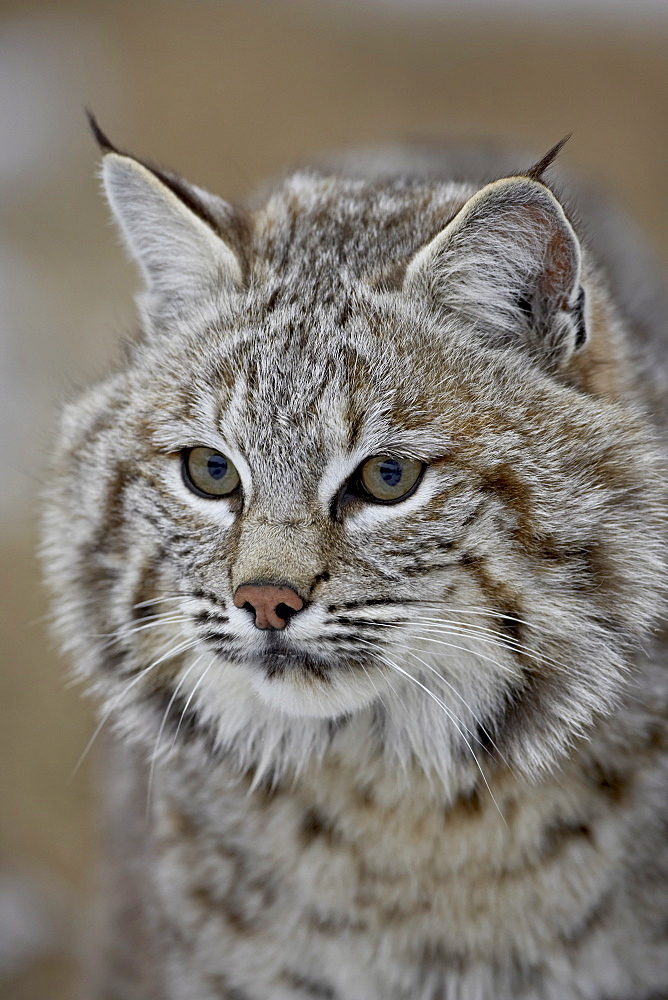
x,y
524,306
236,229
103,141
538,169
510,265
579,320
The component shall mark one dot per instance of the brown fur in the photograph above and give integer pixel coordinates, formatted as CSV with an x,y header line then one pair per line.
x,y
445,776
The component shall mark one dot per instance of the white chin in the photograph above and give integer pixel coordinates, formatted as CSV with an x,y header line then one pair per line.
x,y
297,695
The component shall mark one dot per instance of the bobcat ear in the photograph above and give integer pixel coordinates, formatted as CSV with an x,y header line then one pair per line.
x,y
170,229
510,263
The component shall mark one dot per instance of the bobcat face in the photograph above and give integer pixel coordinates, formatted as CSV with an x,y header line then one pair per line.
x,y
300,425
355,470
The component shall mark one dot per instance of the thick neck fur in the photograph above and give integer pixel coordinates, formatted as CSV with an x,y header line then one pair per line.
x,y
445,764
491,615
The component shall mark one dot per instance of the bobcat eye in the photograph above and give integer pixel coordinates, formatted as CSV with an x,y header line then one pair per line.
x,y
386,479
208,473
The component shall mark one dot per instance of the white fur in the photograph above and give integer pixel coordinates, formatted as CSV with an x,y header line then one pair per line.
x,y
177,252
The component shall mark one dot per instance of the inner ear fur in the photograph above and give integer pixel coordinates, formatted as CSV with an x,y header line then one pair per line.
x,y
166,225
510,264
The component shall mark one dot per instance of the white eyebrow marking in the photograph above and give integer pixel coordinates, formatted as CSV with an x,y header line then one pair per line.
x,y
339,468
374,514
218,431
216,510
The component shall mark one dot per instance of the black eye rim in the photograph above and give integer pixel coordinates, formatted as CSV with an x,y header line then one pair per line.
x,y
185,475
354,488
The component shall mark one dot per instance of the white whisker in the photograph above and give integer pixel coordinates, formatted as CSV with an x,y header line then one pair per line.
x,y
457,694
453,719
464,649
451,715
174,651
490,637
482,612
435,624
165,716
128,626
126,631
187,704
159,600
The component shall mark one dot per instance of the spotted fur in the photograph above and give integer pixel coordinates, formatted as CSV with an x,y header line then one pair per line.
x,y
443,778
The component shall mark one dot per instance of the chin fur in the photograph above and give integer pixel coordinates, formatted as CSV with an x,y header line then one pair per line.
x,y
297,692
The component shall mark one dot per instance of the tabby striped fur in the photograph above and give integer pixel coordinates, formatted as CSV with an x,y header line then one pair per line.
x,y
450,786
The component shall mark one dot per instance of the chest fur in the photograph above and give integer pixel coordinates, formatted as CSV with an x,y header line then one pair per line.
x,y
337,867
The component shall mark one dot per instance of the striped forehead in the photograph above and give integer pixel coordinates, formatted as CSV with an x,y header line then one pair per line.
x,y
291,404
277,410
294,413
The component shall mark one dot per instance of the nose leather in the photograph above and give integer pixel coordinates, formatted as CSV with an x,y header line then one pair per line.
x,y
265,599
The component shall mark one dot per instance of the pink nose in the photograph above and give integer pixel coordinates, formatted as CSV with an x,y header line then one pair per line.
x,y
272,605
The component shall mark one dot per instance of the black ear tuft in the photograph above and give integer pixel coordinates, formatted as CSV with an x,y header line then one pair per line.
x,y
105,144
538,169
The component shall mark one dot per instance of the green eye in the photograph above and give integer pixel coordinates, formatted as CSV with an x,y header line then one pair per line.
x,y
386,479
208,473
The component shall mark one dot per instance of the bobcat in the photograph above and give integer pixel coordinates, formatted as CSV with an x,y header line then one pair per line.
x,y
361,546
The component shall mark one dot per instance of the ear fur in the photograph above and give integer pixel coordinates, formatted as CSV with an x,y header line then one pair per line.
x,y
510,263
180,254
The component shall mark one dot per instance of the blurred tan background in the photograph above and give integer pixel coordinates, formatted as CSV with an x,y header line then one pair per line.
x,y
228,92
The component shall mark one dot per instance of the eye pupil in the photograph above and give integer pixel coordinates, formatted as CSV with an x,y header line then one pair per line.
x,y
390,471
217,466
